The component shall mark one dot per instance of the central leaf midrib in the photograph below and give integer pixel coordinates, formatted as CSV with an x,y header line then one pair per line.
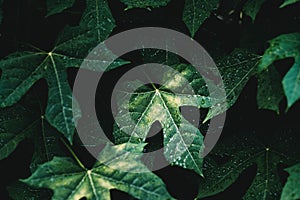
x,y
178,132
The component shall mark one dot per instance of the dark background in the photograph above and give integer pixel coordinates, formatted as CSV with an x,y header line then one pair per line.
x,y
24,23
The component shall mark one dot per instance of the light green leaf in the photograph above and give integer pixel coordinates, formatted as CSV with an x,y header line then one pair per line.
x,y
252,7
57,6
22,70
69,181
269,90
236,69
288,2
195,12
144,3
285,46
183,143
243,152
291,190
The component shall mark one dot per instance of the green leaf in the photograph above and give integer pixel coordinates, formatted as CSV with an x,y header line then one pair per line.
x,y
288,2
58,6
144,3
235,69
243,152
183,143
291,190
113,171
269,90
22,70
285,46
195,12
252,7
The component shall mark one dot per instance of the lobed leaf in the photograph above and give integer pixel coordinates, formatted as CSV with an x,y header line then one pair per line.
x,y
243,152
113,171
21,70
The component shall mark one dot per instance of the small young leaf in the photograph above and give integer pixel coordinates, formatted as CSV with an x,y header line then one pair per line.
x,y
22,70
57,6
195,12
269,90
288,2
243,152
285,46
291,190
144,3
113,171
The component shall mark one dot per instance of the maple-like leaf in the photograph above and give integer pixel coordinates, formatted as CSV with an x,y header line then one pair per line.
x,y
285,46
183,143
243,152
22,69
114,170
288,2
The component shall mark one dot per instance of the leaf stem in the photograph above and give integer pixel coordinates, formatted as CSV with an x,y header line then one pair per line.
x,y
73,153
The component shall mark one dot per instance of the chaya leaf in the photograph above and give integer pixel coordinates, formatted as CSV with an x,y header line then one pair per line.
x,y
57,6
288,2
22,70
195,12
285,46
246,151
144,3
112,171
269,90
236,69
183,143
291,190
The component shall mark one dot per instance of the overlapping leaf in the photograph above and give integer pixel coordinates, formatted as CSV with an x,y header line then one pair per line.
x,y
285,46
57,6
144,3
21,70
113,171
195,12
246,151
291,190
